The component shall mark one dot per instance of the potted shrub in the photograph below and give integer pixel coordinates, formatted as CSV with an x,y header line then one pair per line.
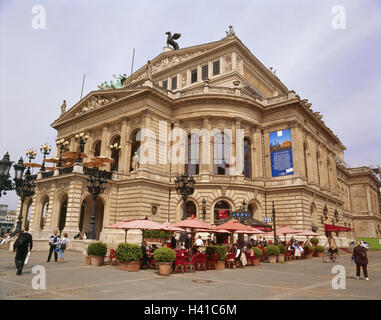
x,y
318,251
221,257
314,241
308,251
282,252
165,257
97,252
257,255
272,252
128,256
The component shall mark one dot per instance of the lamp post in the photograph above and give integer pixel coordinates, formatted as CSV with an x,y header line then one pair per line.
x,y
95,185
184,187
62,145
115,148
5,183
275,238
24,188
31,154
204,208
81,138
45,150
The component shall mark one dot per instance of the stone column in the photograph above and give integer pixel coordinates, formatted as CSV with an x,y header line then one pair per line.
x,y
123,165
234,61
257,155
105,141
88,145
297,149
205,150
73,144
73,206
369,200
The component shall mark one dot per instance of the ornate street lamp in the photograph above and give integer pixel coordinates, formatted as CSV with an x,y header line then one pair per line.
x,y
5,182
95,185
31,154
275,238
204,208
24,188
62,145
45,150
184,187
115,148
81,138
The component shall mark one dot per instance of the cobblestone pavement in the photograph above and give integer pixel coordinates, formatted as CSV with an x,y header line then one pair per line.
x,y
73,279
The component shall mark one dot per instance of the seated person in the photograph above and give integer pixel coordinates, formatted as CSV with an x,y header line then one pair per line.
x,y
153,248
145,260
202,249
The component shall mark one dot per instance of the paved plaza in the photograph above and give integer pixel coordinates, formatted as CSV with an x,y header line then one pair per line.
x,y
73,279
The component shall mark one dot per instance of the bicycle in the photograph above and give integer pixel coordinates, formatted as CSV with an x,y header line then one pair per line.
x,y
327,256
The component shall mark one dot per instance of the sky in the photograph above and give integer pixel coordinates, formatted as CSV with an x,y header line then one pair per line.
x,y
335,63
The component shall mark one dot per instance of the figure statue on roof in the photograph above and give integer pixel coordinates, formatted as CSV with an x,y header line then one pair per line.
x,y
230,32
119,82
171,40
63,107
149,69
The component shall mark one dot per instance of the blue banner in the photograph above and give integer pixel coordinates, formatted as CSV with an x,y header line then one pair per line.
x,y
281,153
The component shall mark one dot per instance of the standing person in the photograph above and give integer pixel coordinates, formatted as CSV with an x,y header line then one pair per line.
x,y
22,245
62,246
53,242
173,241
198,242
145,255
213,241
188,242
361,260
332,248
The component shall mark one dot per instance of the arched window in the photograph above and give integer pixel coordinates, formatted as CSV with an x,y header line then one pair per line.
x,y
247,158
135,146
115,153
63,211
221,154
190,209
222,210
192,154
97,148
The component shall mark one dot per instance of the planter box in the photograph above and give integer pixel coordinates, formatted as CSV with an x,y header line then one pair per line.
x,y
257,261
165,268
309,256
132,266
220,265
318,254
272,259
281,258
88,260
97,260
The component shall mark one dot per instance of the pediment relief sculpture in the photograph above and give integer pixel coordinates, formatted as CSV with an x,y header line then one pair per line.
x,y
95,102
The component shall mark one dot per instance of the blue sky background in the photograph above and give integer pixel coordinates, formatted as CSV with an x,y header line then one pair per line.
x,y
337,70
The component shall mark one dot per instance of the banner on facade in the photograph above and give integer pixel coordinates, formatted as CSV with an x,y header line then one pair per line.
x,y
223,214
281,153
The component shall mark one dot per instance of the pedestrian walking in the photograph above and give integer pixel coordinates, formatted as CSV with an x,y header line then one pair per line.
x,y
361,259
62,247
22,245
53,242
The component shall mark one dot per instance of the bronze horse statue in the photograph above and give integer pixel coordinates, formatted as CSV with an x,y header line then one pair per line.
x,y
171,40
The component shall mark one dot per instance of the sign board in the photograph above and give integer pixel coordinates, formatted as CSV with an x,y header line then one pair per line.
x,y
281,153
266,219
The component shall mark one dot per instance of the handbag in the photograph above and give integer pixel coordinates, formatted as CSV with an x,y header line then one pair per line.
x,y
27,258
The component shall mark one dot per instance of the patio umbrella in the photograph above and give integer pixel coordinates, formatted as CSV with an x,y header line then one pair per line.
x,y
193,223
52,160
171,228
284,230
234,225
253,231
307,233
119,225
73,155
103,159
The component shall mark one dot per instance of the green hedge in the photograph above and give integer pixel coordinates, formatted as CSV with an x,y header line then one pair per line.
x,y
373,242
319,249
282,248
97,249
164,254
272,250
314,240
157,234
257,252
221,253
127,252
308,249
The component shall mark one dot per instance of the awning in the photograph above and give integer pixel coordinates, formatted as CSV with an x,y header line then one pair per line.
x,y
329,227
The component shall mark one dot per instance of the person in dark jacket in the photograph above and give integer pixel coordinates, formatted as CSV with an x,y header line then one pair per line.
x,y
145,260
361,260
173,242
53,242
188,242
22,245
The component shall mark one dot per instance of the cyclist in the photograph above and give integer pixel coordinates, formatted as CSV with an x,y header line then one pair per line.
x,y
332,248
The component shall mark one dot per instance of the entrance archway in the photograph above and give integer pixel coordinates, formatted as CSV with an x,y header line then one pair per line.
x,y
86,211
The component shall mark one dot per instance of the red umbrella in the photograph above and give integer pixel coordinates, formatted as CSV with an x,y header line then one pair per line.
x,y
253,231
193,223
119,225
234,225
142,224
307,233
284,230
170,227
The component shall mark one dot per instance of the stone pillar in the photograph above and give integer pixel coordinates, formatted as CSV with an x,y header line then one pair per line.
x,y
73,144
73,207
369,200
205,150
104,143
257,155
88,145
297,150
123,165
234,61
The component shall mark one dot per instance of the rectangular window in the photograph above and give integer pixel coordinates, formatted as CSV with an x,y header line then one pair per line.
x,y
174,83
216,67
194,76
165,84
204,72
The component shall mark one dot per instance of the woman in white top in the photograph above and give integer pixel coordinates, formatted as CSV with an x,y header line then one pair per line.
x,y
63,243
